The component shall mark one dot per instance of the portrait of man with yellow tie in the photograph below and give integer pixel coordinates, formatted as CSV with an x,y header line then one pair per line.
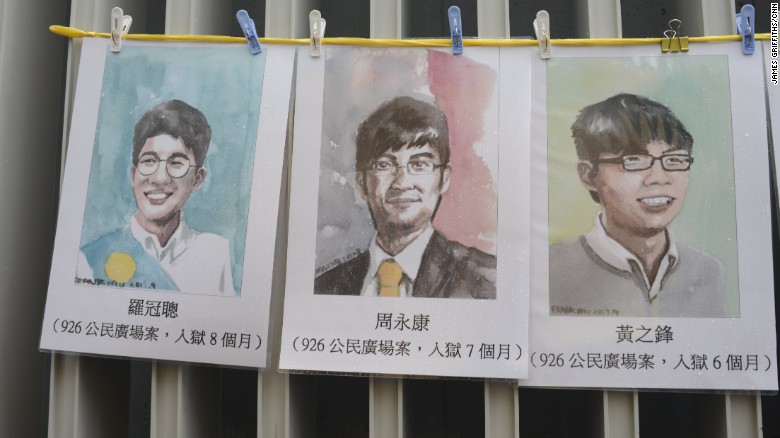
x,y
402,168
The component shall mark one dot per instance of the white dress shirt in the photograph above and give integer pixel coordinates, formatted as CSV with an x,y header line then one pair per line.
x,y
196,262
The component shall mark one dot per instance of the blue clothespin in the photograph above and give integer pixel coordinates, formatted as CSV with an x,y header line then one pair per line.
x,y
746,19
456,30
250,32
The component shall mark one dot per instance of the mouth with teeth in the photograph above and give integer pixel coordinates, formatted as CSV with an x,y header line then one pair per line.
x,y
656,202
157,197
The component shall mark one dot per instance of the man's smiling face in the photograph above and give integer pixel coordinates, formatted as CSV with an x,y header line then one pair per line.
x,y
640,203
159,196
400,201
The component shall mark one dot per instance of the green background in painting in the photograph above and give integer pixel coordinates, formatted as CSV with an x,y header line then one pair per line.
x,y
696,89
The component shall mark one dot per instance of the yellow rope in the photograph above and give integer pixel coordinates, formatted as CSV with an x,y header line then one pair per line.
x,y
72,32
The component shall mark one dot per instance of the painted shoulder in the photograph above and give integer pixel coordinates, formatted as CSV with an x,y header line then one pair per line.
x,y
345,278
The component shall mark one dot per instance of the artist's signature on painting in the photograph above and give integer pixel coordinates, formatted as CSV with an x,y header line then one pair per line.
x,y
333,263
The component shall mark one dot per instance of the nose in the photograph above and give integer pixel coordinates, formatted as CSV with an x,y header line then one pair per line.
x,y
160,176
656,174
401,177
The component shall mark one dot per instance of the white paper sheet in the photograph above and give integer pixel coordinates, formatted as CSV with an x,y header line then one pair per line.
x,y
717,93
173,300
485,95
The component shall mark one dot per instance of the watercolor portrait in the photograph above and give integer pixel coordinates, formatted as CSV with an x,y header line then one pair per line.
x,y
407,203
642,212
171,170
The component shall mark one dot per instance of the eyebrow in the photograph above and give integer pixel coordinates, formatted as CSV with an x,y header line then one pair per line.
x,y
669,152
156,155
387,157
415,156
421,155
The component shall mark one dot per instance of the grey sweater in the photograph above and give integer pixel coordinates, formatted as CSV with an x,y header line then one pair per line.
x,y
582,284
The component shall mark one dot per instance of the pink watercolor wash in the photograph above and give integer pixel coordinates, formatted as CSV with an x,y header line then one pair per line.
x,y
357,81
463,88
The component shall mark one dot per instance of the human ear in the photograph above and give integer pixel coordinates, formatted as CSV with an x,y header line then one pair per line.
x,y
360,182
200,176
445,178
586,173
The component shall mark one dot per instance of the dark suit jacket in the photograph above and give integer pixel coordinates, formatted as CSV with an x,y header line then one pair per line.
x,y
448,270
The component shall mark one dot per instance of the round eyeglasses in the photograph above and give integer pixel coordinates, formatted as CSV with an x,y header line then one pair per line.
x,y
414,167
637,162
176,165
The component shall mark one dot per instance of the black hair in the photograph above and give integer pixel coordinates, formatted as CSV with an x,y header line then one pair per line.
x,y
179,120
400,122
626,123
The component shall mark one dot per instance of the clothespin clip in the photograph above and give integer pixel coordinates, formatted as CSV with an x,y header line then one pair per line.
x,y
542,30
673,42
250,32
317,32
456,30
746,19
120,25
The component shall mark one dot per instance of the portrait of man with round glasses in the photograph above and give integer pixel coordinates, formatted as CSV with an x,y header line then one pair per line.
x,y
402,168
635,158
158,249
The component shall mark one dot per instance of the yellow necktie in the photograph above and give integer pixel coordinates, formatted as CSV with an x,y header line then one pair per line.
x,y
390,274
